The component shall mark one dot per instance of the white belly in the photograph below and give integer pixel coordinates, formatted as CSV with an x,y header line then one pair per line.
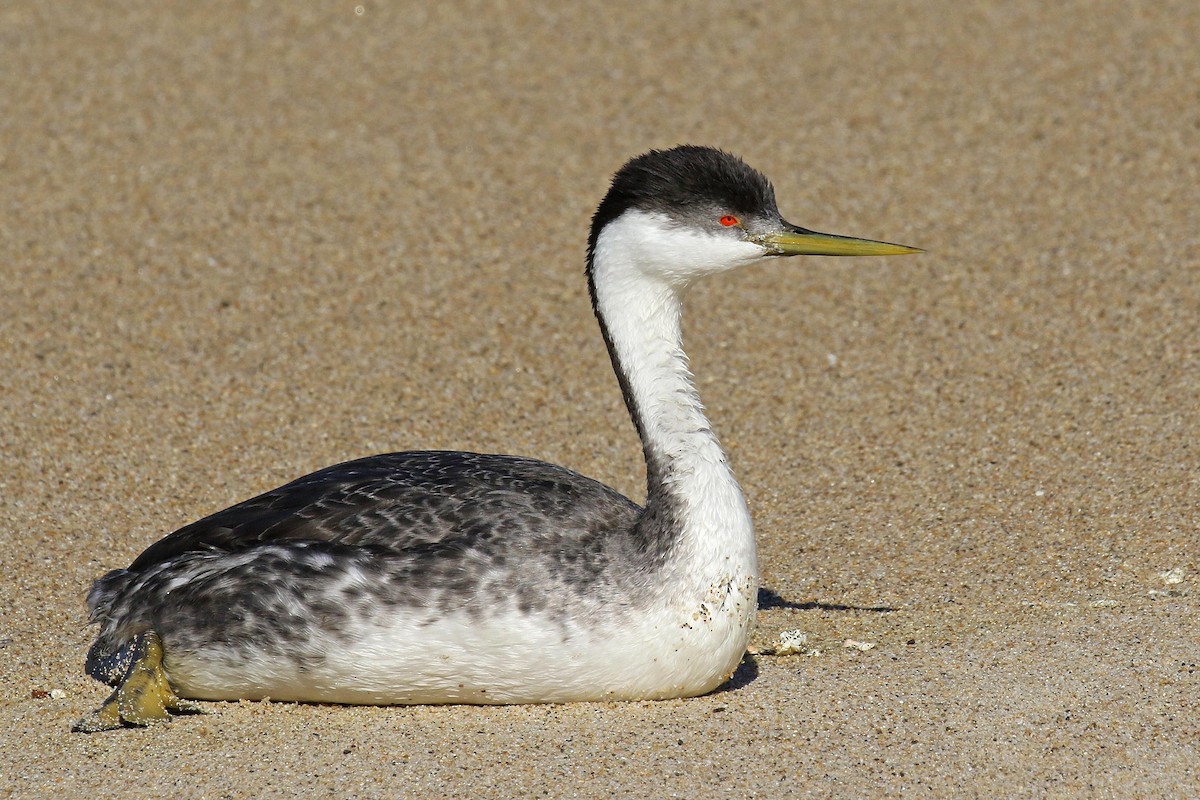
x,y
672,649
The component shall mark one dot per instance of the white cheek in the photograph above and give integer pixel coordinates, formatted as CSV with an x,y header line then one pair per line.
x,y
670,251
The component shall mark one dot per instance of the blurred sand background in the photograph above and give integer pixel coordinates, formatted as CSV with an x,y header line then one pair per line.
x,y
240,241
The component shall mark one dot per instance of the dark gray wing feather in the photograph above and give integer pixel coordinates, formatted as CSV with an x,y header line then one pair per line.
x,y
414,500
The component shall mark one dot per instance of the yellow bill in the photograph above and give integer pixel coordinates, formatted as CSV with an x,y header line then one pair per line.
x,y
801,242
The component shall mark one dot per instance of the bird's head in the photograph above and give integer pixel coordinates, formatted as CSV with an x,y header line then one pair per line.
x,y
690,211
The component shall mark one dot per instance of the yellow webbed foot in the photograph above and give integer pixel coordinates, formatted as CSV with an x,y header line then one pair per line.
x,y
143,697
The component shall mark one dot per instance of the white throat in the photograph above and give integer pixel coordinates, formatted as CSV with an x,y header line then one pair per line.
x,y
641,264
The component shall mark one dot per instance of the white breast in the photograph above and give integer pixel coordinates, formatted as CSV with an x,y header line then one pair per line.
x,y
686,645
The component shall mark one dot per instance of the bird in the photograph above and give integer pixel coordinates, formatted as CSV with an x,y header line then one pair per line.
x,y
436,577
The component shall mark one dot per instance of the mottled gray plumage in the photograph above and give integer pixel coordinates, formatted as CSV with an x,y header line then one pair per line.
x,y
433,530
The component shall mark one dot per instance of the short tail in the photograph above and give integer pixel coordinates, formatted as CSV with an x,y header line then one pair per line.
x,y
108,659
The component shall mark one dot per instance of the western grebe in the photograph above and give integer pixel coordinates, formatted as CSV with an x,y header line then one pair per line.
x,y
448,577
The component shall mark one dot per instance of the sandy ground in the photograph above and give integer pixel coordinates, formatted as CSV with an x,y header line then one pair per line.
x,y
237,244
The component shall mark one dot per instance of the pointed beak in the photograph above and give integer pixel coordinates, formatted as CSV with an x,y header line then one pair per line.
x,y
797,241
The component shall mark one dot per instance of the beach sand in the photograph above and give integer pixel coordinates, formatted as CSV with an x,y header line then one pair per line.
x,y
238,244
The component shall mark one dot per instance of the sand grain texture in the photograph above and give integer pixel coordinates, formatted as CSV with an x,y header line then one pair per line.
x,y
242,241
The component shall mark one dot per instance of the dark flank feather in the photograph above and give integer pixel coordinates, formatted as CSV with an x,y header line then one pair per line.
x,y
398,501
432,530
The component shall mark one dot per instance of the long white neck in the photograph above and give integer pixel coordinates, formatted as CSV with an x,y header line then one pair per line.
x,y
690,483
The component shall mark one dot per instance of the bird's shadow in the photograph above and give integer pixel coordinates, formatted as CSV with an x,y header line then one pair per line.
x,y
743,676
768,599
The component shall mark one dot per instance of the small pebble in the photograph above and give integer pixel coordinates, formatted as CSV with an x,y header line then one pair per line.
x,y
1172,576
792,643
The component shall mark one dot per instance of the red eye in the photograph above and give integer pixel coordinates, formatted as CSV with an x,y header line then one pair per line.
x,y
729,221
